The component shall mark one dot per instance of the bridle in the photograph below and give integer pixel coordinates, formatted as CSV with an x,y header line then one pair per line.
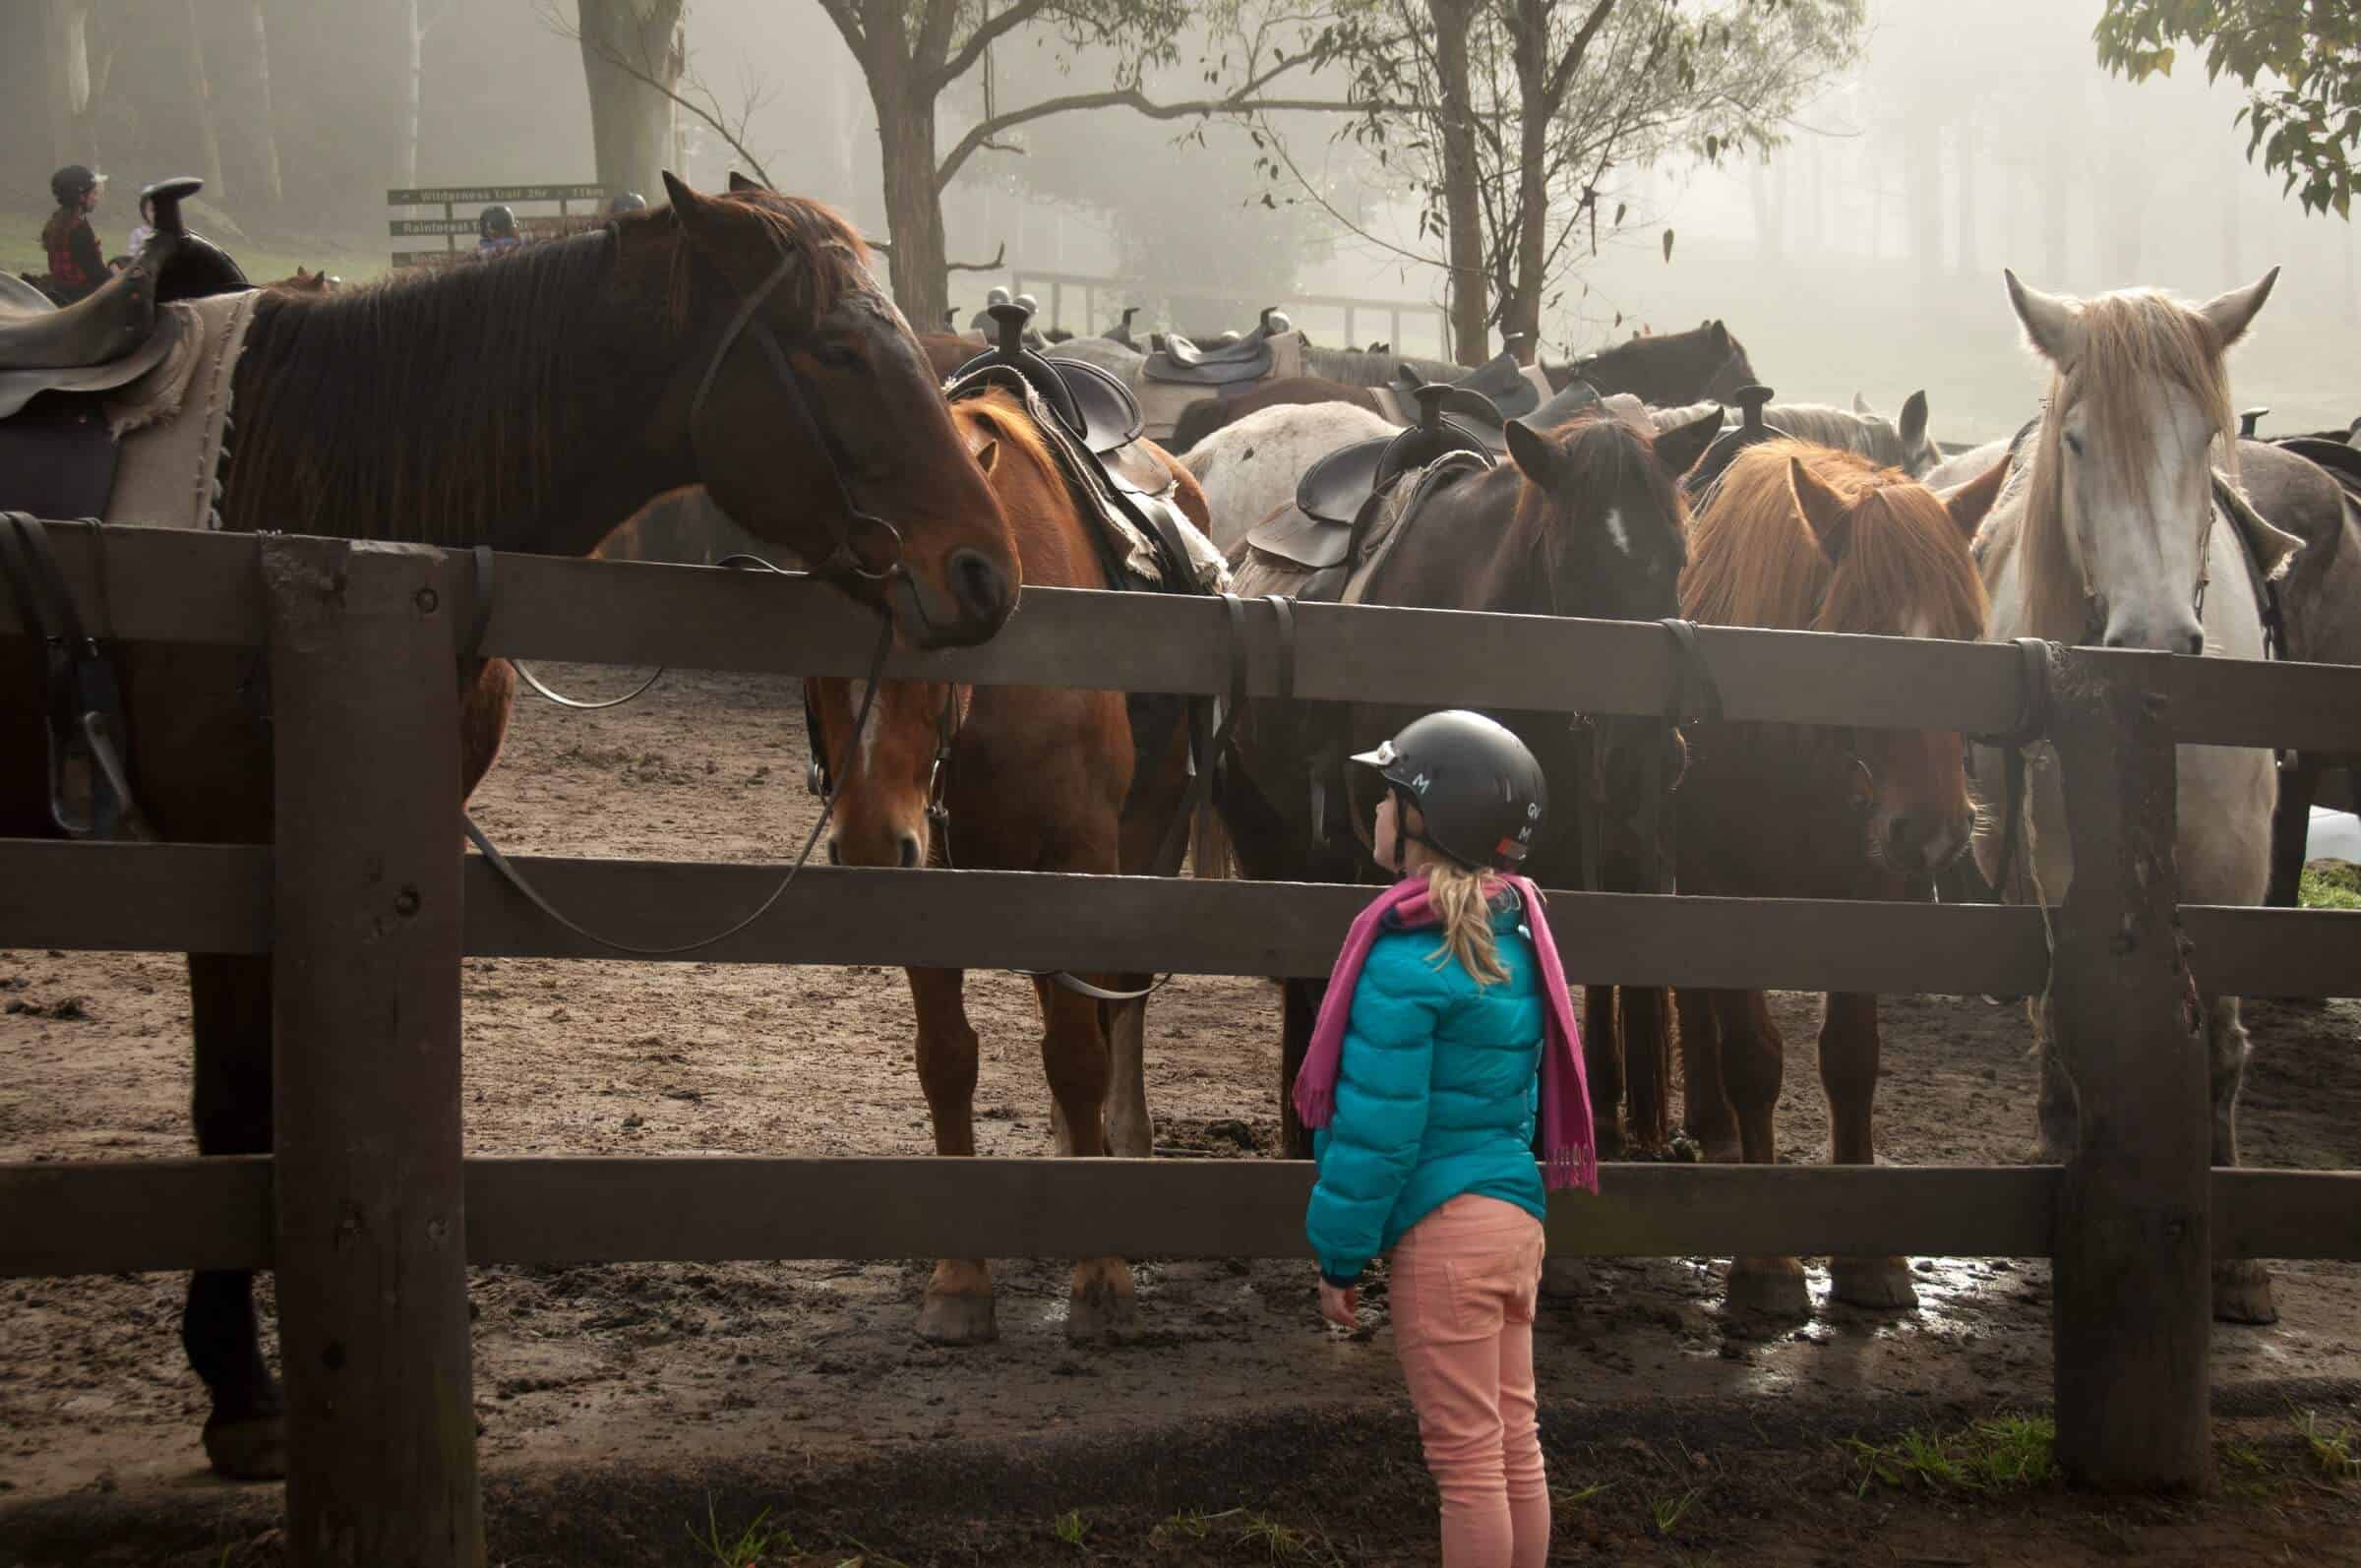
x,y
843,562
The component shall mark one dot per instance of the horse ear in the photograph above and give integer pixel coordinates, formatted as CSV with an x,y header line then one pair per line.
x,y
1830,518
1860,406
1969,504
1912,428
739,182
2051,322
1532,453
2230,313
1680,447
987,455
1718,334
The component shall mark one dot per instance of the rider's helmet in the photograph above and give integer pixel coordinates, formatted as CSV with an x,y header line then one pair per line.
x,y
496,222
74,182
1479,790
626,202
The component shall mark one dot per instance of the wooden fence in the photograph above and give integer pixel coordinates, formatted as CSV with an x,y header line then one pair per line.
x,y
370,1211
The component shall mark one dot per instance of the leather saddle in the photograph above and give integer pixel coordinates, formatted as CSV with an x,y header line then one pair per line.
x,y
1561,406
1502,382
2337,456
1750,429
1220,365
1333,497
57,455
116,335
1091,404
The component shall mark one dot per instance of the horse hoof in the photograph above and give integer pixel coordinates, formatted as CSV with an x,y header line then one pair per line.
x,y
2242,1293
957,1318
1102,1309
1881,1284
251,1449
1770,1288
1724,1151
1565,1279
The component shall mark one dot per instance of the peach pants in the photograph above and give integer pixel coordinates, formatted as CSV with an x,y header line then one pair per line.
x,y
1464,1284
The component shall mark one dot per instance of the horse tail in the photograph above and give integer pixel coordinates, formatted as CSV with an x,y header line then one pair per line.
x,y
1209,857
1197,421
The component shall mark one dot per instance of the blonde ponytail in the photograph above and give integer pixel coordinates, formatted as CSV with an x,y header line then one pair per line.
x,y
1462,900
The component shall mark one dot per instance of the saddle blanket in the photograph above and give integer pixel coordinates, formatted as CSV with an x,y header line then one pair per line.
x,y
172,422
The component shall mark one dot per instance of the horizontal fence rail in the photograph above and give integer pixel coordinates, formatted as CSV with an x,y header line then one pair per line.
x,y
180,586
216,898
107,1217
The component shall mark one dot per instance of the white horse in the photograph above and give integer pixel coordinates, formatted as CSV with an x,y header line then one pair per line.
x,y
2109,533
1249,470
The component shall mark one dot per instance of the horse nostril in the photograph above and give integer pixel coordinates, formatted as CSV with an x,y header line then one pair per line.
x,y
981,586
910,852
2192,642
1901,835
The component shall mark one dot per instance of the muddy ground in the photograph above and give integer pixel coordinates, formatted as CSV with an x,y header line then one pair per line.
x,y
615,1400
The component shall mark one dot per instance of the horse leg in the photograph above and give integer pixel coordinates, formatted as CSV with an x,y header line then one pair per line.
x,y
1848,1048
958,1308
2291,825
1706,1102
1602,1065
1130,1132
1073,1051
1644,1013
1753,1061
2241,1286
229,1007
1299,1013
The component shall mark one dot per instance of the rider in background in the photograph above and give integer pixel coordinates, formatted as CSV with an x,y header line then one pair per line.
x,y
626,202
76,265
495,231
145,230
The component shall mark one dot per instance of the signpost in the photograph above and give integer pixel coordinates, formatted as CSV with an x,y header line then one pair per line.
x,y
451,198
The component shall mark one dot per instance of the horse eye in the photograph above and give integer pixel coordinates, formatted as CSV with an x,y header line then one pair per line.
x,y
2074,444
836,357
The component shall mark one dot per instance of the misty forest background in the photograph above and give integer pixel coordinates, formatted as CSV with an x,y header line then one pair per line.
x,y
1849,219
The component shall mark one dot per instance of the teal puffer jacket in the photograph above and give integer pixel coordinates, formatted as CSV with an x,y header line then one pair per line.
x,y
1436,1093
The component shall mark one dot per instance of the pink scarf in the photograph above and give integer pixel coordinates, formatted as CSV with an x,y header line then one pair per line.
x,y
1569,1151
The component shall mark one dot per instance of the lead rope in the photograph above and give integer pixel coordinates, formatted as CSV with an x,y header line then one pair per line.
x,y
509,874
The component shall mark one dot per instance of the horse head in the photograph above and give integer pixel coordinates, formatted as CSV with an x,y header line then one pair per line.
x,y
1706,363
806,400
1918,453
888,781
1808,538
2119,502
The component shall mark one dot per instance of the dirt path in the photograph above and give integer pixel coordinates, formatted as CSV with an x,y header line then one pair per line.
x,y
759,1367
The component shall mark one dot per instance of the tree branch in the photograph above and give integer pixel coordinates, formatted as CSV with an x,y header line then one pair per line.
x,y
709,112
1571,61
998,258
985,35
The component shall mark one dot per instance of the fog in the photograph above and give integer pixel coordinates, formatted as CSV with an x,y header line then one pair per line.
x,y
1864,254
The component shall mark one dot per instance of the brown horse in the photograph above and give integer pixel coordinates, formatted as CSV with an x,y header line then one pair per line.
x,y
1806,538
1668,371
301,282
1584,521
532,403
1036,779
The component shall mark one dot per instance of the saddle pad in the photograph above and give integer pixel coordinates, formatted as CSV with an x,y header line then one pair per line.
x,y
173,422
2270,551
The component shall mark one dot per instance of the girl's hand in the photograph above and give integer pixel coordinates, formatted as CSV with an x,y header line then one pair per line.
x,y
1341,1305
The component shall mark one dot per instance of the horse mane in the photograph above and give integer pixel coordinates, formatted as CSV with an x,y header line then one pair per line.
x,y
1604,451
2127,340
1870,436
435,405
1754,561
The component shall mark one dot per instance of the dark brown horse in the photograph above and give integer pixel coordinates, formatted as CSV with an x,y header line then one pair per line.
x,y
1670,370
1806,538
1036,779
1584,520
532,403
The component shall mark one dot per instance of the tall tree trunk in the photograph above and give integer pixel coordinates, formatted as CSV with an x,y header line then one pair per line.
x,y
1923,190
1521,312
265,126
919,265
66,58
1463,211
208,131
1970,251
414,91
1767,237
631,121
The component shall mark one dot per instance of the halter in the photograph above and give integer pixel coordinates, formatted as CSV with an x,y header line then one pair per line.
x,y
843,561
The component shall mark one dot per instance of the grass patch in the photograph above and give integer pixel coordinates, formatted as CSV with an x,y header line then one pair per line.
x,y
1666,1513
1071,1527
747,1548
2335,1450
2329,884
1285,1544
2007,1453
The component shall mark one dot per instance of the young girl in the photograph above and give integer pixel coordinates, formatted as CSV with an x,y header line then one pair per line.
x,y
77,263
1447,1012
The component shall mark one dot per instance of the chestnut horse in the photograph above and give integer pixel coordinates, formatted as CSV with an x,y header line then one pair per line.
x,y
1586,519
1806,538
532,403
1034,779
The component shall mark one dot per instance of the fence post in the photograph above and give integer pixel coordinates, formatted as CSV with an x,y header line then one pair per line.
x,y
371,1255
2134,1304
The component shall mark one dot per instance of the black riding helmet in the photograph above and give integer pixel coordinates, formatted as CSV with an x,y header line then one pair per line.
x,y
74,182
628,201
496,222
1480,791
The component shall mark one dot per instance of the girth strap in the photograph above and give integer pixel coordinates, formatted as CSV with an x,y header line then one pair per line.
x,y
83,699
